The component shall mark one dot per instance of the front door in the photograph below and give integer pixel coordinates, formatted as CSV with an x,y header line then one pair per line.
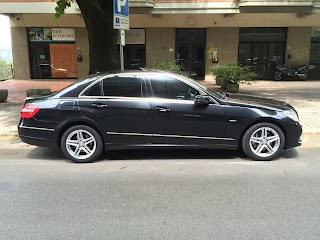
x,y
190,51
118,106
178,120
40,60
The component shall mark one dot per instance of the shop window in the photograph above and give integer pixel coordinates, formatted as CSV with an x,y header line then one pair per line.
x,y
52,52
135,49
262,49
315,46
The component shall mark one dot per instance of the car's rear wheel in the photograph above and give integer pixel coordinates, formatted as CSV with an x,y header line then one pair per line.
x,y
263,141
81,144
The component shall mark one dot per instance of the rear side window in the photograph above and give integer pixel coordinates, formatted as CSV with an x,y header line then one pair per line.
x,y
126,86
95,90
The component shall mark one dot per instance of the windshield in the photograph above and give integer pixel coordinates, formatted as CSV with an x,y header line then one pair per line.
x,y
205,88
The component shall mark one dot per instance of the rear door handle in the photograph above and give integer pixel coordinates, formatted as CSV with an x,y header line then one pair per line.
x,y
162,109
97,105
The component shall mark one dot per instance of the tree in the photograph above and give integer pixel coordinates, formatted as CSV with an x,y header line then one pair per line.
x,y
98,18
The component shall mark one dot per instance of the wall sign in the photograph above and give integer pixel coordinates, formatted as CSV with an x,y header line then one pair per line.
x,y
135,36
52,34
63,34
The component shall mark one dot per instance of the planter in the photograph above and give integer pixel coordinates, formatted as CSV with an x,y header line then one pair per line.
x,y
223,84
38,91
232,87
3,95
218,81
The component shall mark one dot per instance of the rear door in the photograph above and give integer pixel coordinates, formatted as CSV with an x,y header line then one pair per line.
x,y
119,105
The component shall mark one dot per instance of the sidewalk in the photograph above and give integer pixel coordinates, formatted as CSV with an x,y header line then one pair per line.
x,y
303,95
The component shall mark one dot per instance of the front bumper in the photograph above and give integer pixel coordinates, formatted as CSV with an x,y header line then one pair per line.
x,y
293,135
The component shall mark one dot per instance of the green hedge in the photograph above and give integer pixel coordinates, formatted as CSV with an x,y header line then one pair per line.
x,y
6,70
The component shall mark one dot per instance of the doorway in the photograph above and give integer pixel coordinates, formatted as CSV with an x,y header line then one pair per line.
x,y
40,60
190,51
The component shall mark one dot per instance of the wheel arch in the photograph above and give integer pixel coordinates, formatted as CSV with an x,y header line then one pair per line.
x,y
261,120
79,122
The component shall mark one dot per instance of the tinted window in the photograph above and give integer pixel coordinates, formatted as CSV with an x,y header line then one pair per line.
x,y
122,86
166,87
95,90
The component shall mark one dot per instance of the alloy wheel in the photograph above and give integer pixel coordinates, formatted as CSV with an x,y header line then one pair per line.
x,y
81,144
264,142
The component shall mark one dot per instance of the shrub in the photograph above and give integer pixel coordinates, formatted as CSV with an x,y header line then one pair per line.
x,y
233,73
170,66
6,71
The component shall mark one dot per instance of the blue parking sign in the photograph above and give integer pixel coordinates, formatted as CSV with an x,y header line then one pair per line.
x,y
121,14
121,7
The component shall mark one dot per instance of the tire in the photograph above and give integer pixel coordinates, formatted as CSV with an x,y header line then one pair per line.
x,y
278,75
263,142
81,144
305,75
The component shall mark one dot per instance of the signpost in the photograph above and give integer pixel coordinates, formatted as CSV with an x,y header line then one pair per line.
x,y
121,22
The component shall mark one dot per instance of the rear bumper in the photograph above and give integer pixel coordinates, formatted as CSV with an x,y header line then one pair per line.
x,y
37,135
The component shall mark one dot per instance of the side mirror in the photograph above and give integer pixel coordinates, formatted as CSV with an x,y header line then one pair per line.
x,y
202,100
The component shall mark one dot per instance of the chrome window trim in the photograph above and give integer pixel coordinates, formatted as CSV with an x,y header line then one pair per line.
x,y
114,98
171,136
180,101
36,128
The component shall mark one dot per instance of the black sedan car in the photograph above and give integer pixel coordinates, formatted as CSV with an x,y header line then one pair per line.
x,y
144,108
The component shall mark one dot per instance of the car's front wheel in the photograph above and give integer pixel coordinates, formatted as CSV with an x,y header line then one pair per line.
x,y
81,144
263,141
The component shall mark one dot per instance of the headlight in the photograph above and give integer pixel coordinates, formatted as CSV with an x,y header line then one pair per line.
x,y
292,114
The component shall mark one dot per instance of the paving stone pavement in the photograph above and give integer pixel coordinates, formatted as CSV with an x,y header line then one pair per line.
x,y
303,95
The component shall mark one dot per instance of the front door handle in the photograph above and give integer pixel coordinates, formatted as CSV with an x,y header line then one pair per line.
x,y
99,105
162,109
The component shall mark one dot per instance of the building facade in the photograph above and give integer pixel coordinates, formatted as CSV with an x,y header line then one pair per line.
x,y
197,34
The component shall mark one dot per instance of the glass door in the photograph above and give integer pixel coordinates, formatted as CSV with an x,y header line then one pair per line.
x,y
190,46
259,58
40,60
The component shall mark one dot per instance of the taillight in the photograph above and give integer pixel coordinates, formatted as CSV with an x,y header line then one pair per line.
x,y
28,110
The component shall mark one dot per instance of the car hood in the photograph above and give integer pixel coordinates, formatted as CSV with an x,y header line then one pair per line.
x,y
252,101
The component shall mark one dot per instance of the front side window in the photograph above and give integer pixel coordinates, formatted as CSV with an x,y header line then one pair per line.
x,y
171,88
122,86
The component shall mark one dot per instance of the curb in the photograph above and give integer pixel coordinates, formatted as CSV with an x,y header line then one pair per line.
x,y
9,137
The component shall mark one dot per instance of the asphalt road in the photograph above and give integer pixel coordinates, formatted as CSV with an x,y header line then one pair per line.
x,y
159,195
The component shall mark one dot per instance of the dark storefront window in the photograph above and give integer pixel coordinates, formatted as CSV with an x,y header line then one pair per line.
x,y
315,46
135,49
314,57
262,49
52,53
